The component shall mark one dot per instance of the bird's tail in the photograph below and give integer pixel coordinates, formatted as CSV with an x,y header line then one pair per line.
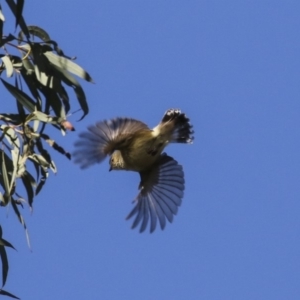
x,y
182,129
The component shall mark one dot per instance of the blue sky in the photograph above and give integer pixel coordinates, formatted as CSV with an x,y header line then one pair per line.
x,y
234,68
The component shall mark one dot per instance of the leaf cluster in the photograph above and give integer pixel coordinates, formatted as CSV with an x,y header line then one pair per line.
x,y
38,77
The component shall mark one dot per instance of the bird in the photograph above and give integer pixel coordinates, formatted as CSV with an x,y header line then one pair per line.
x,y
131,145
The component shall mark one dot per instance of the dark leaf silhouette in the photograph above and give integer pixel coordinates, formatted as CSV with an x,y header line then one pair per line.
x,y
38,80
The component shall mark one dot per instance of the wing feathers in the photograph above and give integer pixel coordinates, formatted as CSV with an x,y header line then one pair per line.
x,y
103,138
161,193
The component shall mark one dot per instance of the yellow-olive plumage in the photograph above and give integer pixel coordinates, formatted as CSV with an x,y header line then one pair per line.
x,y
132,146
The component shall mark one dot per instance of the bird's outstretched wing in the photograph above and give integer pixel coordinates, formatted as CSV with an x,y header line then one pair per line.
x,y
103,138
161,193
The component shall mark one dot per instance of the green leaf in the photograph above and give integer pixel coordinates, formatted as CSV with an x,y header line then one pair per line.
x,y
43,151
28,186
31,178
16,61
7,39
42,66
39,32
44,36
55,146
1,30
28,66
56,97
44,176
68,79
5,243
20,200
5,293
82,100
32,84
10,135
8,65
19,19
5,179
65,98
53,101
5,267
42,76
12,118
19,10
2,199
21,109
40,160
53,167
38,115
36,167
2,18
40,186
21,219
23,98
68,65
15,154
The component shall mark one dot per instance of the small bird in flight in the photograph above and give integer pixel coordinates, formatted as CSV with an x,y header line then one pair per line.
x,y
132,146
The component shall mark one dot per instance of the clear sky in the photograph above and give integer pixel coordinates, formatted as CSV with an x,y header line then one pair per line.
x,y
234,68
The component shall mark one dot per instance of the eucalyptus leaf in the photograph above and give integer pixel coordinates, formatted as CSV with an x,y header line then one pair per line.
x,y
36,124
12,118
5,243
5,178
2,18
5,267
19,10
37,168
32,83
42,66
41,72
38,115
21,22
43,151
40,186
5,293
23,98
71,81
8,65
54,101
58,148
40,160
27,184
1,31
38,32
82,101
68,65
7,39
15,159
20,107
10,135
2,200
65,98
21,219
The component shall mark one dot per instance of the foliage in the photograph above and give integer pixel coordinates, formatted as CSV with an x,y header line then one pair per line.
x,y
39,75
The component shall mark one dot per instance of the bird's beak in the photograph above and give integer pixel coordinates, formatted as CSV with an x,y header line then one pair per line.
x,y
110,169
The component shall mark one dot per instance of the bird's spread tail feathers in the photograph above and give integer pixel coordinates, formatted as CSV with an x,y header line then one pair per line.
x,y
182,132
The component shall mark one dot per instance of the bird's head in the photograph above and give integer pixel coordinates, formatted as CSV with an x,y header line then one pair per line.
x,y
116,161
